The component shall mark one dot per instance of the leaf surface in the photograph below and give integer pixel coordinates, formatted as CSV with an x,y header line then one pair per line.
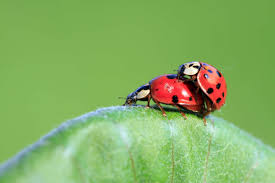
x,y
134,144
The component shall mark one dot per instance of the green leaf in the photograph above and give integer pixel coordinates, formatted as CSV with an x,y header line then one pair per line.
x,y
134,144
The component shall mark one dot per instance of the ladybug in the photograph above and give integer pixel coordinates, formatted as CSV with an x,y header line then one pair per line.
x,y
208,79
167,89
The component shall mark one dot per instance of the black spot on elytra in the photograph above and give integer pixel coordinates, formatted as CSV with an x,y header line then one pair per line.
x,y
218,100
210,90
157,89
190,98
171,76
210,71
219,74
175,99
222,94
218,85
206,76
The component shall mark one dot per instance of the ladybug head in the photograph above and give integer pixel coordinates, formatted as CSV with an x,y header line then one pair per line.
x,y
131,99
142,93
189,69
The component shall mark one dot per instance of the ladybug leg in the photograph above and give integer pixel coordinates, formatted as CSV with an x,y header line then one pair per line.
x,y
161,108
182,113
204,115
196,93
148,102
197,90
209,109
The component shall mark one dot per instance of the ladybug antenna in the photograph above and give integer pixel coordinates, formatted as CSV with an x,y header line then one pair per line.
x,y
121,98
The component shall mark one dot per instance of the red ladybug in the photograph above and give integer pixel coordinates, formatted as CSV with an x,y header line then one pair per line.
x,y
208,79
167,89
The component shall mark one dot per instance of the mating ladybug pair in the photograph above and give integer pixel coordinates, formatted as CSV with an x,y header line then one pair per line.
x,y
198,87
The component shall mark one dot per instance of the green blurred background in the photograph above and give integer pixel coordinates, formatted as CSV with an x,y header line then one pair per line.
x,y
60,59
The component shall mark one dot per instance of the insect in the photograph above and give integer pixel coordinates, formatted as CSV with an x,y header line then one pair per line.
x,y
208,79
167,89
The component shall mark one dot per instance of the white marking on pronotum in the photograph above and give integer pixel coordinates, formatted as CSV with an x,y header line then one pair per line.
x,y
143,94
191,68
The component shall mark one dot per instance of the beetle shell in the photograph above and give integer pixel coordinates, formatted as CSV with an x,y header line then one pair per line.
x,y
167,89
213,84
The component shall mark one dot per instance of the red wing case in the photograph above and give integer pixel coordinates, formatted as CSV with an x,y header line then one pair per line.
x,y
168,89
213,84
